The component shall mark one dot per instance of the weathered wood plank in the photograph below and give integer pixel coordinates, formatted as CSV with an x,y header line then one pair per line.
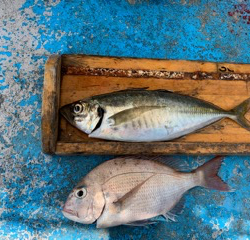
x,y
233,68
157,148
84,61
50,106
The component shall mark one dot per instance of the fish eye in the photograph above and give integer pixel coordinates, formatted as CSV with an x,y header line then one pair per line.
x,y
81,193
78,108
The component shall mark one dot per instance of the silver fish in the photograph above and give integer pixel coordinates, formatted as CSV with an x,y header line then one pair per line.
x,y
146,116
133,190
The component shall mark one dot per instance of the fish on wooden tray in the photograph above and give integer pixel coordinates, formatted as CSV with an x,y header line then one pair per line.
x,y
133,190
140,115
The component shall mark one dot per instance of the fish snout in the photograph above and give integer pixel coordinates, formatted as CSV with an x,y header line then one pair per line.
x,y
68,208
69,211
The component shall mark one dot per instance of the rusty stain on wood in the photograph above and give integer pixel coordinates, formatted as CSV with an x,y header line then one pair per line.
x,y
109,72
203,75
225,85
136,73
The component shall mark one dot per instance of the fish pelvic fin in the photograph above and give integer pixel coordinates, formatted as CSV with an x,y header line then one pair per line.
x,y
208,177
142,223
239,112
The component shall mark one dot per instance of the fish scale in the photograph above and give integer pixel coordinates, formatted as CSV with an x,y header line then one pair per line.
x,y
146,116
158,196
131,190
179,119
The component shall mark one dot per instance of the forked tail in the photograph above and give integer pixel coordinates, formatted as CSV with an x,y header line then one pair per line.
x,y
208,175
239,113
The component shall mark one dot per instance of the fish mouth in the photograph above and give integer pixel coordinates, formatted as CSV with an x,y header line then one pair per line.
x,y
73,216
65,111
70,214
69,211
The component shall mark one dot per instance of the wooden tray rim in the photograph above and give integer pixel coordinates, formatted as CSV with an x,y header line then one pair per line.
x,y
51,145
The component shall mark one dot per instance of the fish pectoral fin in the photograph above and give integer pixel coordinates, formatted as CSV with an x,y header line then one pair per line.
x,y
132,192
129,114
141,223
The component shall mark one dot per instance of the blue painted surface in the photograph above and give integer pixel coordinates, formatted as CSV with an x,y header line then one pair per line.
x,y
33,185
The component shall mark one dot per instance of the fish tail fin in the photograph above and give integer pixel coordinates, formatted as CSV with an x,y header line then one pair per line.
x,y
208,177
239,112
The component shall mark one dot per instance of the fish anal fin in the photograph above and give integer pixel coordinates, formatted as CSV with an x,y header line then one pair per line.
x,y
178,208
129,194
170,217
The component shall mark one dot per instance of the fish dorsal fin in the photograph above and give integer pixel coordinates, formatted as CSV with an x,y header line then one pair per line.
x,y
164,90
133,89
145,88
174,163
132,192
129,114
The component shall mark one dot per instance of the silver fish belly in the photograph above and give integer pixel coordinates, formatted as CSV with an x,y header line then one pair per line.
x,y
157,125
146,116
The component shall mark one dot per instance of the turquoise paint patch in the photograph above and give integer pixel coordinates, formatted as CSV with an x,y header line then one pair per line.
x,y
17,65
5,37
6,53
37,185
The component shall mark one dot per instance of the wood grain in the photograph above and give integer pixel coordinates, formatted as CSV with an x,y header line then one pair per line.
x,y
157,148
50,106
204,80
136,63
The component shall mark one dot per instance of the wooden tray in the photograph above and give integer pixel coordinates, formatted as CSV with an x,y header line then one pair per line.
x,y
72,77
